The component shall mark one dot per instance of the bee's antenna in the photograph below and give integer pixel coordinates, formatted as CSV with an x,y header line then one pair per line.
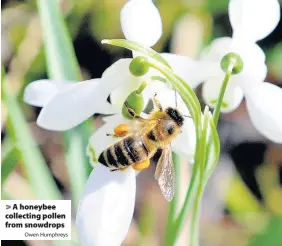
x,y
187,116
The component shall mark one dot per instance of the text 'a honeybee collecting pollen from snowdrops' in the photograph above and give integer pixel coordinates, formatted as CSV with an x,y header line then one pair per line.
x,y
36,220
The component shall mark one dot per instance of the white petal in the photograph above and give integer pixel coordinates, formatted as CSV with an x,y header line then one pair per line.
x,y
99,141
40,92
119,68
251,54
185,142
120,74
217,49
264,101
106,208
141,22
232,97
193,72
221,46
72,106
253,20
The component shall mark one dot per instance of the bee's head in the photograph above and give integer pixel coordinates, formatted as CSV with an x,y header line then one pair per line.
x,y
175,115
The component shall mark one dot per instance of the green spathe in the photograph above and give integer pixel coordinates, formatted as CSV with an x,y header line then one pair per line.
x,y
134,101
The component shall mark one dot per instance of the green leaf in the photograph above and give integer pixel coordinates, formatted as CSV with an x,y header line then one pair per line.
x,y
5,196
240,199
61,60
274,60
37,171
271,236
62,64
8,162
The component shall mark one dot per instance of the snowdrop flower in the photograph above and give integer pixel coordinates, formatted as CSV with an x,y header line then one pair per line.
x,y
107,205
255,27
251,21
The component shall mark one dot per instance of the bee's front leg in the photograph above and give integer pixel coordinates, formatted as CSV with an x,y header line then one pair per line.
x,y
132,112
157,102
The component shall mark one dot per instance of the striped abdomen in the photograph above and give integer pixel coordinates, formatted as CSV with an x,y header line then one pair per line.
x,y
130,150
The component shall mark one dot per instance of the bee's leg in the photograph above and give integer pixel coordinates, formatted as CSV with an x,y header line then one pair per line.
x,y
141,165
119,131
157,102
113,170
132,112
119,169
123,169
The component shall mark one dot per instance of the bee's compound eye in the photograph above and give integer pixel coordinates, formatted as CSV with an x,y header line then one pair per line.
x,y
169,128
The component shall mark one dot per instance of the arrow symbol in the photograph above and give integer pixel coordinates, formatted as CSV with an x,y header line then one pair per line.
x,y
8,206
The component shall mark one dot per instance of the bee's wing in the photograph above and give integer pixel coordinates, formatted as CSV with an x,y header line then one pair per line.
x,y
165,173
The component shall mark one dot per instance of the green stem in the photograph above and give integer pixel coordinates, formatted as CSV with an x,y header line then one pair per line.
x,y
194,235
174,202
192,103
194,231
227,76
189,199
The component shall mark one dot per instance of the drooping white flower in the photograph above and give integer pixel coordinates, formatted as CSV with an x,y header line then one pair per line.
x,y
251,21
106,208
141,22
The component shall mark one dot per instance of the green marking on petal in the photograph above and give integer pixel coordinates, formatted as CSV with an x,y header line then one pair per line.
x,y
224,105
213,101
92,154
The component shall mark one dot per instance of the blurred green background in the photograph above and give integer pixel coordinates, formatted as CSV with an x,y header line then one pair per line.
x,y
243,201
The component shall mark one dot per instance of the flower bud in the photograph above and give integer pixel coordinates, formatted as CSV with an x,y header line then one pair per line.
x,y
232,59
139,66
134,101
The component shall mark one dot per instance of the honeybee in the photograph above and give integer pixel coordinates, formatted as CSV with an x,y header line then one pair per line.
x,y
138,146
